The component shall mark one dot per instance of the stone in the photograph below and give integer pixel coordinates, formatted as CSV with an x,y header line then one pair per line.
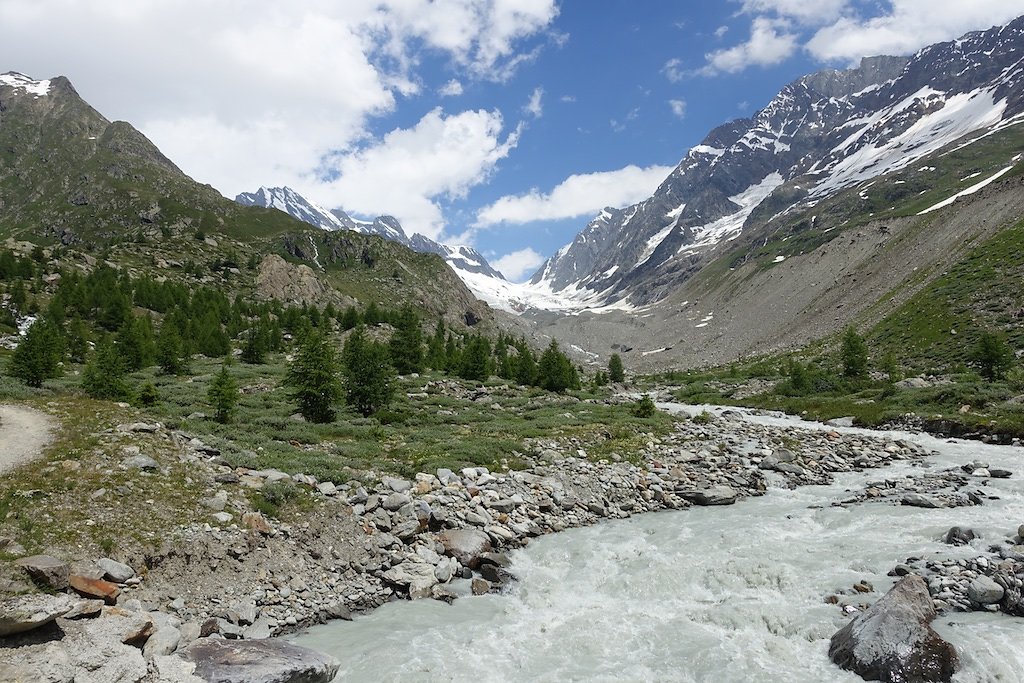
x,y
26,612
984,591
919,500
395,501
999,473
716,495
141,462
327,488
257,522
338,610
222,517
242,612
46,571
260,629
117,572
95,588
840,422
893,639
481,587
1020,532
408,573
258,661
465,545
164,642
85,609
960,536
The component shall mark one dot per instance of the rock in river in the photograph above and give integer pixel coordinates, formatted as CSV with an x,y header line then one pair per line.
x,y
716,495
893,641
465,545
258,661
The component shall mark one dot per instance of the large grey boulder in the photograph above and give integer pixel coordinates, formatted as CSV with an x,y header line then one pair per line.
x,y
115,571
46,571
465,545
26,612
716,495
984,591
892,641
258,661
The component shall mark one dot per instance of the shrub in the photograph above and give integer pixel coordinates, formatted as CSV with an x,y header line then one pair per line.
x,y
993,356
148,395
703,418
1015,377
644,407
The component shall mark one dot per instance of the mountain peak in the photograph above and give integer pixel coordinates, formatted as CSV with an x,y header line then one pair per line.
x,y
20,81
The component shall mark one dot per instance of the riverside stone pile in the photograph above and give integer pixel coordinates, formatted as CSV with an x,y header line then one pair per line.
x,y
440,535
954,487
993,582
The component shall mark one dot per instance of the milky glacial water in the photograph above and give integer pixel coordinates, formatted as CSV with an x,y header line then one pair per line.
x,y
706,594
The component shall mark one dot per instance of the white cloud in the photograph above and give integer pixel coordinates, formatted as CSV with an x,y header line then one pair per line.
x,y
452,88
816,12
409,170
567,98
535,107
577,195
721,31
518,265
241,95
674,70
678,108
908,25
771,42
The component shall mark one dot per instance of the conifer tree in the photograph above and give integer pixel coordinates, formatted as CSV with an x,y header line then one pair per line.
x,y
37,357
993,356
555,372
76,340
349,319
104,375
367,375
406,345
171,354
525,370
475,363
223,395
313,378
616,371
854,354
435,348
254,347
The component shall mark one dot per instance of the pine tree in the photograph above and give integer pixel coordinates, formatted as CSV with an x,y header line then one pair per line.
x,y
77,340
476,359
555,372
616,372
993,356
254,347
38,355
313,378
349,319
223,395
135,343
854,354
406,345
367,374
525,370
435,348
104,375
170,354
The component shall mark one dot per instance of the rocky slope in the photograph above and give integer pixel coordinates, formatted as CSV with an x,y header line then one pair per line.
x,y
820,135
463,259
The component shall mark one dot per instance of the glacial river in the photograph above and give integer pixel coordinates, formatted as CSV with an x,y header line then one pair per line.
x,y
724,594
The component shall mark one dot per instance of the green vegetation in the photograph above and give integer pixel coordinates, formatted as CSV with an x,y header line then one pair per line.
x,y
367,373
854,354
616,372
313,378
223,395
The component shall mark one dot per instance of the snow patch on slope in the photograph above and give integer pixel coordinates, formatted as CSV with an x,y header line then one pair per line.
x,y
970,190
22,82
729,226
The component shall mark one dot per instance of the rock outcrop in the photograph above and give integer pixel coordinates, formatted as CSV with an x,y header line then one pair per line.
x,y
259,661
893,641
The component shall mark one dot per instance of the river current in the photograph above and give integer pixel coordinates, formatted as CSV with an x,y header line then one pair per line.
x,y
723,594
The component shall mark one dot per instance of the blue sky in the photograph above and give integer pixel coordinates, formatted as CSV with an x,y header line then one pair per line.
x,y
506,124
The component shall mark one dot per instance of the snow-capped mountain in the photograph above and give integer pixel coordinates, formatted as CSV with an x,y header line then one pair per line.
x,y
820,135
466,261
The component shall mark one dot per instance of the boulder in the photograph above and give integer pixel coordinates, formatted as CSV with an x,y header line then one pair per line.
x,y
26,612
95,588
984,591
141,462
893,640
258,661
840,422
465,545
960,536
164,642
919,500
46,571
118,572
716,495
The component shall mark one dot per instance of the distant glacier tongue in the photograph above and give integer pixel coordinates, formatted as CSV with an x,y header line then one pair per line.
x,y
707,594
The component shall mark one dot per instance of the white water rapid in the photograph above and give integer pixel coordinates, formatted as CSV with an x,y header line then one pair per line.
x,y
723,594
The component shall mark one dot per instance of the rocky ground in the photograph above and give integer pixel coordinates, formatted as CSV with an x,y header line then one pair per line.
x,y
239,575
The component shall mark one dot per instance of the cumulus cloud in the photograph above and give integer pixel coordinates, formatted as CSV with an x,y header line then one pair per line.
x,y
817,12
578,195
265,93
678,108
771,42
908,25
410,170
674,70
452,88
518,265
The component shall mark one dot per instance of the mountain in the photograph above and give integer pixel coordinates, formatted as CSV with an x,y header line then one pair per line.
x,y
821,135
72,180
467,262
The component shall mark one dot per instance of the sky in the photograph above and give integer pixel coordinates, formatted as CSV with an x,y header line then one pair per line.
x,y
503,124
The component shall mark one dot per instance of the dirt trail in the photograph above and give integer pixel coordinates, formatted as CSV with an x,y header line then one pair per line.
x,y
24,432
